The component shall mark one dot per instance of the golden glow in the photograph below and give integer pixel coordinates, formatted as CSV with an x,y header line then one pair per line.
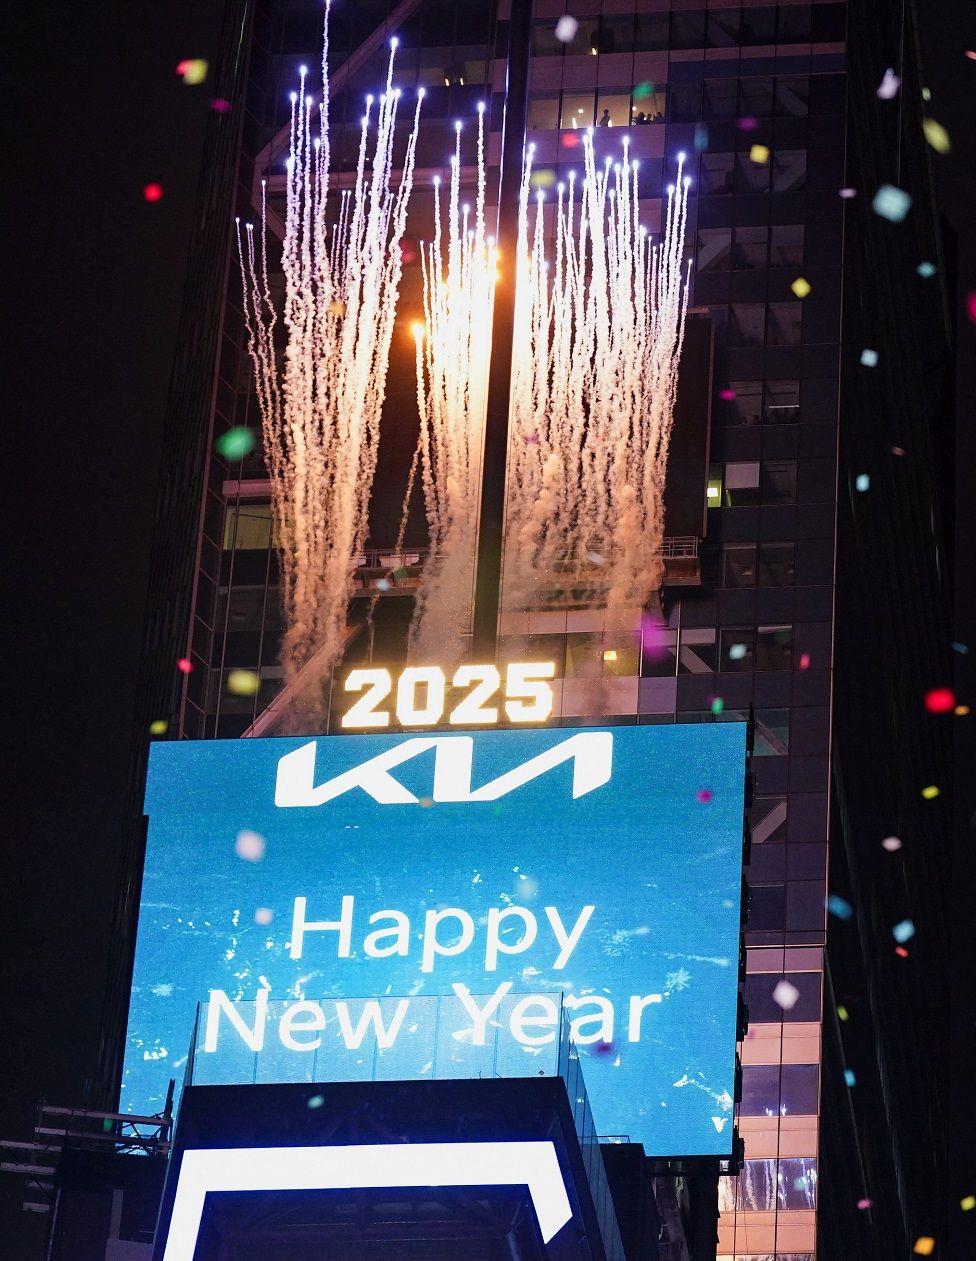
x,y
421,696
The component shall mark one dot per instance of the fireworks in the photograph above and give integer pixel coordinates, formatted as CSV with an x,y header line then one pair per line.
x,y
320,409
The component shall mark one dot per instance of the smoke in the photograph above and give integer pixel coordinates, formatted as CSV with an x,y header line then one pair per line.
x,y
320,407
600,320
453,348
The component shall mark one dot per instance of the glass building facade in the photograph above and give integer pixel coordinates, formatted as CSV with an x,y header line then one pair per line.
x,y
757,96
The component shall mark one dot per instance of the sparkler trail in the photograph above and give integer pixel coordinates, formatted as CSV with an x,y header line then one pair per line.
x,y
321,408
453,350
599,329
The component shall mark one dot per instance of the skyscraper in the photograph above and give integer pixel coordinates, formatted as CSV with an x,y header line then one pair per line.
x,y
813,597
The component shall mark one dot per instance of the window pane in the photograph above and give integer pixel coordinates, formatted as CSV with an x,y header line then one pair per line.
x,y
794,24
800,1089
683,99
746,407
248,528
767,820
716,172
774,648
617,35
613,109
763,1008
648,105
758,26
585,37
577,110
544,41
688,30
722,29
756,97
767,907
746,324
737,650
619,657
721,100
750,248
652,32
739,566
784,324
782,402
697,654
584,656
797,1178
772,732
776,561
792,96
714,249
786,245
789,167
659,653
778,482
543,111
751,177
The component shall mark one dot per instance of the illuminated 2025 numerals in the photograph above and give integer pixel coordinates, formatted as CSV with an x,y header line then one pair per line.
x,y
421,695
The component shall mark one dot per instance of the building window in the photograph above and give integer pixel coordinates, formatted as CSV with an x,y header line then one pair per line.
x,y
789,169
697,655
782,402
543,111
747,322
785,324
652,32
755,97
739,565
745,407
767,821
714,249
248,527
659,653
683,101
758,26
776,564
577,110
777,483
722,28
774,648
688,30
721,98
749,250
786,245
737,650
750,177
764,1009
715,173
742,484
767,911
772,736
617,34
615,106
794,24
792,95
544,41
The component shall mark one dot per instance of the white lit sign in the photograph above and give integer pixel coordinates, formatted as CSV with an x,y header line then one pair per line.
x,y
421,696
532,1164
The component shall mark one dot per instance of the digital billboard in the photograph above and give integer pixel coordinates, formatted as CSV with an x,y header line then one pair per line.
x,y
601,866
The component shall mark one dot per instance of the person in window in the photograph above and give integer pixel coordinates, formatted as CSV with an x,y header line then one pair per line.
x,y
605,120
641,119
658,117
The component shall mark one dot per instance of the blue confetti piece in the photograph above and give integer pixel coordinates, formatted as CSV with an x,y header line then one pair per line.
x,y
958,647
926,269
904,931
869,358
849,1076
837,906
891,203
862,482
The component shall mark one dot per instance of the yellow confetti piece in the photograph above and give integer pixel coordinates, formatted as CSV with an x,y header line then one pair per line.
x,y
842,1013
936,135
192,70
759,154
243,682
545,177
801,287
961,710
967,1203
159,727
924,1245
930,792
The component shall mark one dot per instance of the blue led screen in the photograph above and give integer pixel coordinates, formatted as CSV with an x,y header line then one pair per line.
x,y
602,865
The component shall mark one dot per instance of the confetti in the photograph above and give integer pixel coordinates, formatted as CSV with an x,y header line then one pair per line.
x,y
930,792
701,137
926,269
643,89
184,665
153,192
704,795
961,711
847,193
315,1101
887,89
250,846
843,1013
569,140
235,443
897,450
892,844
849,1077
192,70
903,931
801,286
924,1245
759,154
158,727
936,135
901,952
891,203
940,700
836,905
926,94
971,307
737,652
869,358
971,54
263,915
967,1203
862,482
566,28
726,396
805,661
243,683
785,994
544,177
220,104
717,705
958,647
748,123
863,1204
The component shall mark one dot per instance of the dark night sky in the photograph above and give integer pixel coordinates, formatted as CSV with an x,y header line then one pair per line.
x,y
95,112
